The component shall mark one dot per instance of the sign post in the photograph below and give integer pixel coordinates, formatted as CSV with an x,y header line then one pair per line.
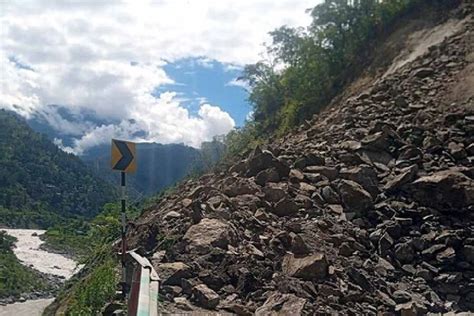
x,y
123,160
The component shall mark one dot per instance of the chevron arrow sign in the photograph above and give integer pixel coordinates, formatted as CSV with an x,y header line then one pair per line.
x,y
123,156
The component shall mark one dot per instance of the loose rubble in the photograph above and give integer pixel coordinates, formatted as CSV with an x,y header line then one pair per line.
x,y
365,210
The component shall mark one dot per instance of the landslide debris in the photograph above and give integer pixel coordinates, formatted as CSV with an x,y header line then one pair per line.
x,y
367,209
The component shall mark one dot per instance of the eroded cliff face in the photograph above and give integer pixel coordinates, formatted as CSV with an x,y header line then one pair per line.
x,y
366,209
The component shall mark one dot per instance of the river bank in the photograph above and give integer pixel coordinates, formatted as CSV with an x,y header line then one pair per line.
x,y
52,267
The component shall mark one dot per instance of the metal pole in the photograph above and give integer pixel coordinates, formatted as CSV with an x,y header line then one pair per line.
x,y
124,243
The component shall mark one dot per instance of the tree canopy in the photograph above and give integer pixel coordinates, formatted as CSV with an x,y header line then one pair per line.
x,y
39,183
307,67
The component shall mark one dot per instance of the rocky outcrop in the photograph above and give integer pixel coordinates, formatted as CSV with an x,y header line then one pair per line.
x,y
365,209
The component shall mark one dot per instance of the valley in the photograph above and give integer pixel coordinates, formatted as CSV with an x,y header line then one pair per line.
x,y
348,190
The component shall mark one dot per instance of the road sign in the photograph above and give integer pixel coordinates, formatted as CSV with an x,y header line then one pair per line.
x,y
123,156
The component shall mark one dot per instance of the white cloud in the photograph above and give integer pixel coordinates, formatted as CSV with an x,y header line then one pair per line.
x,y
238,83
108,57
166,122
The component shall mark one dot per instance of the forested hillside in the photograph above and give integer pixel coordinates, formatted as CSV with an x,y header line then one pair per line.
x,y
306,68
39,183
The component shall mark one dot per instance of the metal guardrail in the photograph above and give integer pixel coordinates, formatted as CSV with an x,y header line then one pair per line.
x,y
144,283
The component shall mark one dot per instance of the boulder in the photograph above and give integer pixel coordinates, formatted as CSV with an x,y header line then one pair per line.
x,y
274,193
307,268
423,72
240,186
407,175
404,253
360,279
354,197
268,175
457,150
205,297
309,160
385,243
279,304
298,245
285,207
208,233
376,141
182,303
307,188
264,159
171,273
445,190
259,160
329,172
364,175
330,196
296,175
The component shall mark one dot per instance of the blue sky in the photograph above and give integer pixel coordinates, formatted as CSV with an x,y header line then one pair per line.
x,y
200,81
144,70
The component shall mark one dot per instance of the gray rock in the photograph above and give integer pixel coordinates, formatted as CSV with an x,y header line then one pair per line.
x,y
354,197
285,207
423,72
268,175
279,304
407,175
171,273
329,172
404,252
448,190
207,234
205,297
307,268
330,196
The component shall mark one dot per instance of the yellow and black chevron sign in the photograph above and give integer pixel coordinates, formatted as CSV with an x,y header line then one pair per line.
x,y
123,156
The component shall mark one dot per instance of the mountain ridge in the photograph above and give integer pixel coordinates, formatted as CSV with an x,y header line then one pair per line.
x,y
39,183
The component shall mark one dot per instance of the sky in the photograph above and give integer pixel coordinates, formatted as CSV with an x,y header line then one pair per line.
x,y
150,71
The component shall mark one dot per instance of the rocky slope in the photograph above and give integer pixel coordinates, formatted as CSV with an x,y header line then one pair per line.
x,y
367,209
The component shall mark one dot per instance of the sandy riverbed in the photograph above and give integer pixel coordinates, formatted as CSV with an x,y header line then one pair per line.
x,y
29,253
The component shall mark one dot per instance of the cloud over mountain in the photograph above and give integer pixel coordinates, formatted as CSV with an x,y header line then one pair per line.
x,y
107,58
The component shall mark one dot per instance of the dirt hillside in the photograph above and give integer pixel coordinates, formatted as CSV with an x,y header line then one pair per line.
x,y
367,209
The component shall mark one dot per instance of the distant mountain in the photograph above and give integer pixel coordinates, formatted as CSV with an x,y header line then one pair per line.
x,y
159,165
39,183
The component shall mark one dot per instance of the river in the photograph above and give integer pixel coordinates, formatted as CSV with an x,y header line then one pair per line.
x,y
29,253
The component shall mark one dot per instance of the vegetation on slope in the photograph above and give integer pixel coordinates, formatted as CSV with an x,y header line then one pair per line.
x,y
318,62
95,285
81,238
15,278
41,185
87,292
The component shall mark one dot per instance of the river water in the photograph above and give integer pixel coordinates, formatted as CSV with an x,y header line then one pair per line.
x,y
29,253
